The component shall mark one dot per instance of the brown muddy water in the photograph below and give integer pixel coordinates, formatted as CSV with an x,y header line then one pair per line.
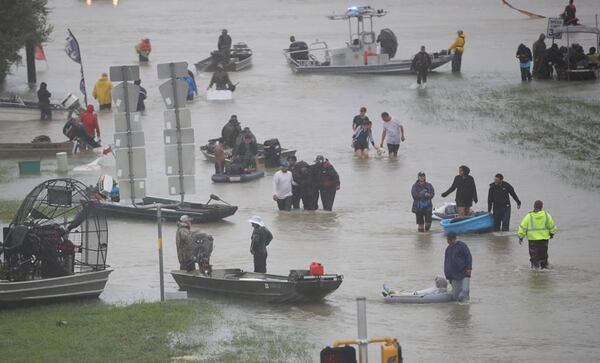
x,y
484,118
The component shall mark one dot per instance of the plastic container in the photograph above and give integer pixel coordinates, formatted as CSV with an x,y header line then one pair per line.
x,y
316,269
62,162
29,167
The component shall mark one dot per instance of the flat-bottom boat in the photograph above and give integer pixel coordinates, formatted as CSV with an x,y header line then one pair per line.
x,y
83,284
41,149
208,151
170,211
239,178
477,223
293,289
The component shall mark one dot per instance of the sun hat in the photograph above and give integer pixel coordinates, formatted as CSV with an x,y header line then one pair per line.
x,y
256,220
185,218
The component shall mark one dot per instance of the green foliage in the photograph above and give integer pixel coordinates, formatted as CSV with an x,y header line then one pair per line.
x,y
8,209
21,21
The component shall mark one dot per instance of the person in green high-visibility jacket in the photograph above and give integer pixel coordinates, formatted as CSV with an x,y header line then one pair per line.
x,y
538,227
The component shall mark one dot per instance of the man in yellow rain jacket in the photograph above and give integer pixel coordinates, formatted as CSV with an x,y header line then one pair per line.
x,y
539,227
459,47
103,92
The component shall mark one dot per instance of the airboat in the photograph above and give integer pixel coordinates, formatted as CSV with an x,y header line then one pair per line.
x,y
360,55
55,247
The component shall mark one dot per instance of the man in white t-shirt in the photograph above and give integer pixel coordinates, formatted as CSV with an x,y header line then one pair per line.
x,y
393,130
282,187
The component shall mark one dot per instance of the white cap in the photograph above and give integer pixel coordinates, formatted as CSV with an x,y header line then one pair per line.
x,y
256,220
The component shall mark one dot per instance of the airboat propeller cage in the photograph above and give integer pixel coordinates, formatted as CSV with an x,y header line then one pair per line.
x,y
55,223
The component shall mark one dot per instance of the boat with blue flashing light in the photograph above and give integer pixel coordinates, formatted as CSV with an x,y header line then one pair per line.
x,y
361,54
477,223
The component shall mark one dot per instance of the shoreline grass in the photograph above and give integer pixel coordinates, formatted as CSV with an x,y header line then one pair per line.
x,y
172,331
8,209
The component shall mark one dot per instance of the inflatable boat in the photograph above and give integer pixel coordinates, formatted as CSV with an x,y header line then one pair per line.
x,y
426,296
237,178
448,210
477,223
219,95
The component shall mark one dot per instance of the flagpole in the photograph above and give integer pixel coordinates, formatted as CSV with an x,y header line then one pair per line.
x,y
79,60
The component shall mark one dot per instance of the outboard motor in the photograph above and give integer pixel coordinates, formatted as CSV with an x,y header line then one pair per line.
x,y
388,41
272,150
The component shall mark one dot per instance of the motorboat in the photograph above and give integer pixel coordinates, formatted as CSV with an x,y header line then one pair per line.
x,y
270,155
298,287
171,210
240,58
577,72
480,222
361,54
445,211
237,178
55,247
16,109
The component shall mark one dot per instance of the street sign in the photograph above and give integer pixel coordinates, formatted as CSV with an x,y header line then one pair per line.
x,y
138,163
188,161
139,189
124,73
554,23
166,91
180,69
121,122
118,94
189,185
170,136
122,140
185,119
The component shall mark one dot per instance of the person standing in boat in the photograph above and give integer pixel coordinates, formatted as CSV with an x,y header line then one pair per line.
x,y
282,187
539,53
569,15
421,64
182,241
499,202
422,193
141,105
298,49
44,102
458,264
224,46
103,92
538,226
459,47
393,131
230,132
328,181
260,239
466,192
221,79
525,57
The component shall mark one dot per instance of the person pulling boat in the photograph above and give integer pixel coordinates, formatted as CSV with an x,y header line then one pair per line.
x,y
221,80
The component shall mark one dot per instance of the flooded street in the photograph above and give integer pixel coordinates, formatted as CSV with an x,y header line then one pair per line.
x,y
515,314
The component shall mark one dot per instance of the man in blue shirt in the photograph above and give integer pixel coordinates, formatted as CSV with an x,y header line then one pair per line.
x,y
457,267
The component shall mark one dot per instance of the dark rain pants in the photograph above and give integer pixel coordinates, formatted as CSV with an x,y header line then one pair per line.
x,y
285,204
538,253
525,74
45,112
501,219
456,62
327,198
260,263
296,196
421,75
310,197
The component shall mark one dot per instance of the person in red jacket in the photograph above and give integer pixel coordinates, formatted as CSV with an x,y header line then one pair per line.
x,y
90,122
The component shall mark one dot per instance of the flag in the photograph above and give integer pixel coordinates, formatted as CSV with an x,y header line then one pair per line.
x,y
39,53
107,150
73,51
72,48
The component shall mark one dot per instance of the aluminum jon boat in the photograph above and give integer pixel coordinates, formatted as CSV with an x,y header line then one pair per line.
x,y
292,289
478,223
199,212
16,109
240,178
241,58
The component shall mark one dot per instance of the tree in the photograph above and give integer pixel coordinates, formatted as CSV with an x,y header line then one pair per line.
x,y
21,22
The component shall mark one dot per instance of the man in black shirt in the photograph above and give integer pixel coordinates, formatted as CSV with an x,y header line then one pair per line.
x,y
499,202
360,119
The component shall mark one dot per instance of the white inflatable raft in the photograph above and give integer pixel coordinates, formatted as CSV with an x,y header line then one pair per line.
x,y
425,296
219,95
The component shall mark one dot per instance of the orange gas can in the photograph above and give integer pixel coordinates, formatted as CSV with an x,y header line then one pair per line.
x,y
316,269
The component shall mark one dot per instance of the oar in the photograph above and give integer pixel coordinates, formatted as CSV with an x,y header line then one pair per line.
x,y
216,197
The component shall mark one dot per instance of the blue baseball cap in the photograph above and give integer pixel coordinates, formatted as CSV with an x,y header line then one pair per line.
x,y
284,163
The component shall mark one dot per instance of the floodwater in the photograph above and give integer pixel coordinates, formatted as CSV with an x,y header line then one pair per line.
x,y
515,314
